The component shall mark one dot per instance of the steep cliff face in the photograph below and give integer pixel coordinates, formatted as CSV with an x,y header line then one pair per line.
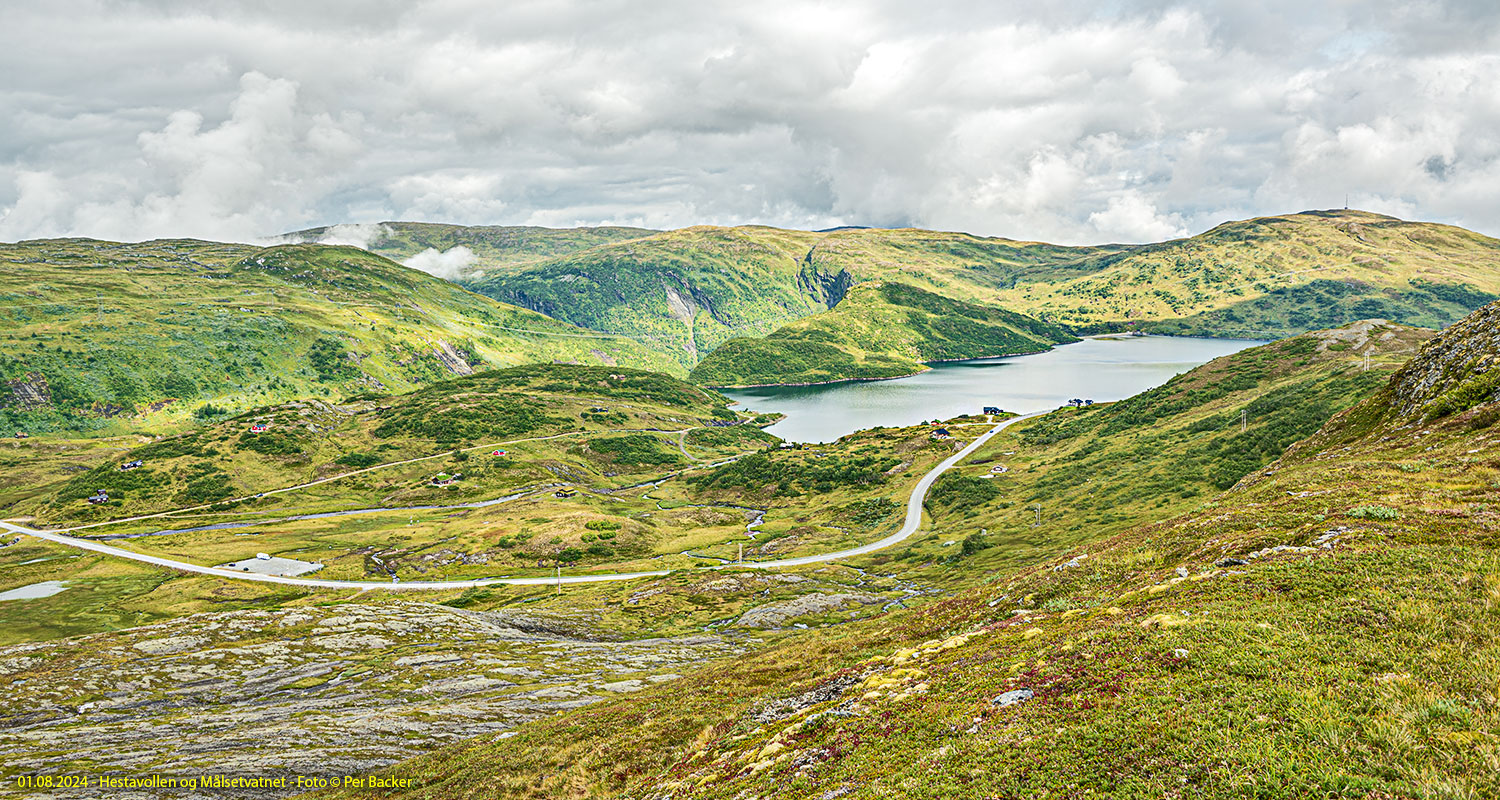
x,y
1454,372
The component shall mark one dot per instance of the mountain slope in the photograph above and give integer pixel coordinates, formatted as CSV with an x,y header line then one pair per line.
x,y
879,330
99,332
682,292
1325,629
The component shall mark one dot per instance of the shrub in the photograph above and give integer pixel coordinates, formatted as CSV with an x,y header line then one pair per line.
x,y
357,460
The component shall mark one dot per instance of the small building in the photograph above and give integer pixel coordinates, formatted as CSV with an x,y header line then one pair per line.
x,y
130,465
598,410
941,433
258,428
100,497
497,452
991,410
22,435
565,493
263,556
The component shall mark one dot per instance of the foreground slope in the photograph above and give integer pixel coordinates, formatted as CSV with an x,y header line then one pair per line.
x,y
99,333
1326,628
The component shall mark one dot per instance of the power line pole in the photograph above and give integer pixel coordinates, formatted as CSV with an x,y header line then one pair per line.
x,y
1244,419
559,579
1038,522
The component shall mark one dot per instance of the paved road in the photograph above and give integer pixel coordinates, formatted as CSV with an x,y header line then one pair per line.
x,y
912,524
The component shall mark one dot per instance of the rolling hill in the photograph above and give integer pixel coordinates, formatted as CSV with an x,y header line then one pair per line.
x,y
99,335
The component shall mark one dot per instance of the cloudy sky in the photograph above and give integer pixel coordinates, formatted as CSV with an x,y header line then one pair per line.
x,y
1066,122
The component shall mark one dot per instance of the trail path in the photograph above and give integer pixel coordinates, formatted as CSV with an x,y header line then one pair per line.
x,y
912,525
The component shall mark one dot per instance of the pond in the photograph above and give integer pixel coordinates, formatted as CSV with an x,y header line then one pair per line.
x,y
1098,368
35,591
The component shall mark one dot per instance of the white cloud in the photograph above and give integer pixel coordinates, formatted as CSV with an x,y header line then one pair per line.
x,y
450,263
1052,121
361,235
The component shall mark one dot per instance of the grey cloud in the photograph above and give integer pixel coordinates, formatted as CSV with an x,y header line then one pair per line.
x,y
1072,122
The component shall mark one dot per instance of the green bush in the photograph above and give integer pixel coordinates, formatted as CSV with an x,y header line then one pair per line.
x,y
1374,512
357,460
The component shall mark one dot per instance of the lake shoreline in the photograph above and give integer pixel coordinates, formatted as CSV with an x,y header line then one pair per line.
x,y
1102,368
885,377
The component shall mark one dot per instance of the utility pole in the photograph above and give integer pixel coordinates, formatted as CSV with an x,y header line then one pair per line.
x,y
1038,522
1367,361
1244,419
559,579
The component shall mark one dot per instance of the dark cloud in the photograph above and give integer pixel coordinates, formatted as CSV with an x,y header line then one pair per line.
x,y
1073,122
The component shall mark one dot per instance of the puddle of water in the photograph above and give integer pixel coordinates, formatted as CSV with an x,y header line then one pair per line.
x,y
35,591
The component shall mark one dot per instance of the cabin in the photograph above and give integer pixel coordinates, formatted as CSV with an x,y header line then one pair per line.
x,y
258,428
564,493
941,433
99,498
598,410
22,435
991,410
130,465
497,452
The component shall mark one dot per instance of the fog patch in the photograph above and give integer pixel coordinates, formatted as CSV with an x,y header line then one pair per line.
x,y
356,235
448,264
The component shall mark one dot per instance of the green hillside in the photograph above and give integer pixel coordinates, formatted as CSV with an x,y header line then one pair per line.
x,y
494,247
1325,628
103,336
686,292
879,330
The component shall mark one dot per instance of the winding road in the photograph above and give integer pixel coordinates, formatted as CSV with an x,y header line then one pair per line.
x,y
912,524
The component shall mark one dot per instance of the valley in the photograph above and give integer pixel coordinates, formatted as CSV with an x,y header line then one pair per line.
x,y
556,568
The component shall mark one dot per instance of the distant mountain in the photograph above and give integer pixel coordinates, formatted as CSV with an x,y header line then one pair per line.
x,y
98,334
688,291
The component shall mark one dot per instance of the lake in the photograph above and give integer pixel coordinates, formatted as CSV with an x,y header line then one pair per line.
x,y
1098,369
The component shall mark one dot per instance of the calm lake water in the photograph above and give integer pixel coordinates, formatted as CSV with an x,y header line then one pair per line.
x,y
1096,369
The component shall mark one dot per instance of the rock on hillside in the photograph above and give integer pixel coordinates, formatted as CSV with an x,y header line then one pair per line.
x,y
1453,372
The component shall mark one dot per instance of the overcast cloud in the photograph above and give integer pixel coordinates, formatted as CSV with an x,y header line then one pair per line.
x,y
1052,121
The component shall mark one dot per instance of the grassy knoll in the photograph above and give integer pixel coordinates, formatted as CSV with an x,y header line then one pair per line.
x,y
1323,628
101,337
879,330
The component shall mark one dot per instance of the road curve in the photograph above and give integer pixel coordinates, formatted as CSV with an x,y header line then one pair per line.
x,y
912,524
